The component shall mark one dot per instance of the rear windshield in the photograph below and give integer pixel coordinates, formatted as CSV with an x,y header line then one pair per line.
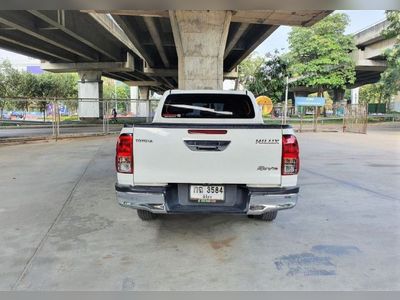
x,y
198,106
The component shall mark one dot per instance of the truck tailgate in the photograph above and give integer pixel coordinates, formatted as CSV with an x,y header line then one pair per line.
x,y
244,154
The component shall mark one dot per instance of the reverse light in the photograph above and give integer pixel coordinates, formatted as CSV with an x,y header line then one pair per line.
x,y
124,154
290,155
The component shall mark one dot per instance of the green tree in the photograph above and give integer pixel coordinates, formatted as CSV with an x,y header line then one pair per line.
x,y
320,53
116,90
247,70
372,93
57,86
10,80
265,75
3,102
390,79
14,84
28,87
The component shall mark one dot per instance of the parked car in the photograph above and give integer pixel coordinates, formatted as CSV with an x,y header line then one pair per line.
x,y
16,115
207,152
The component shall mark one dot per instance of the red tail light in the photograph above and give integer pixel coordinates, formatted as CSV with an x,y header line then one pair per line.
x,y
124,154
290,155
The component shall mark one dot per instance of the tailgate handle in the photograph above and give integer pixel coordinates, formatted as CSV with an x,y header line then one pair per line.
x,y
207,145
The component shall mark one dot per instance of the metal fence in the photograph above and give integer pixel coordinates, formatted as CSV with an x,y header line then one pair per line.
x,y
355,118
57,118
305,119
337,117
60,117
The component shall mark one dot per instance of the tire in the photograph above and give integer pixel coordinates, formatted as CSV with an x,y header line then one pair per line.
x,y
145,215
268,216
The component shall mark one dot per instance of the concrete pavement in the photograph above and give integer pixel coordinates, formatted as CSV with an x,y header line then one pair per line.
x,y
61,229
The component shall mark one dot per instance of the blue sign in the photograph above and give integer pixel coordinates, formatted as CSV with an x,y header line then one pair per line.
x,y
34,70
309,101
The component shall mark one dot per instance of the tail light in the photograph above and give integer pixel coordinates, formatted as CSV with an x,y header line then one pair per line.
x,y
124,154
290,155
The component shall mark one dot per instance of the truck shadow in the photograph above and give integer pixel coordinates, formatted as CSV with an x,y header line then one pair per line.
x,y
213,232
207,223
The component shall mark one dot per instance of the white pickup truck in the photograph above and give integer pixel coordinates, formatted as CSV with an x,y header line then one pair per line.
x,y
207,151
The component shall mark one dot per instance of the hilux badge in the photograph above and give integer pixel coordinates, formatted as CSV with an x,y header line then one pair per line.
x,y
265,168
267,141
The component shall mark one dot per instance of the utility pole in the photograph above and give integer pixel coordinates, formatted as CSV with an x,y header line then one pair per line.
x,y
286,100
115,95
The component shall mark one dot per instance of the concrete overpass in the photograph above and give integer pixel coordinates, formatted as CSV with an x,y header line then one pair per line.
x,y
369,56
156,49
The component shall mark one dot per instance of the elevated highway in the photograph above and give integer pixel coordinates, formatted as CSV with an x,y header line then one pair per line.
x,y
155,50
369,57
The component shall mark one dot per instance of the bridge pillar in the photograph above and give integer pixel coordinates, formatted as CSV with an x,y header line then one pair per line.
x,y
395,103
355,95
200,38
140,108
90,86
144,94
134,95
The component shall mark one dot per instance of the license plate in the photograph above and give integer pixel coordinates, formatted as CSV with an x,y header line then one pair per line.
x,y
207,193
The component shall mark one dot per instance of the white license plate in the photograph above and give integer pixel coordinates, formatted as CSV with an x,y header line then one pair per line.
x,y
207,193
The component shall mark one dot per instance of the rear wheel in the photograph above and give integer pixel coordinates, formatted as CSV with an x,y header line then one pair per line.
x,y
145,215
268,216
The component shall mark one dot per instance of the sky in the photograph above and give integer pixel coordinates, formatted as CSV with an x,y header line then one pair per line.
x,y
359,19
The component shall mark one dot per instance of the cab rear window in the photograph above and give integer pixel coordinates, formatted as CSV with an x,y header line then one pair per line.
x,y
198,106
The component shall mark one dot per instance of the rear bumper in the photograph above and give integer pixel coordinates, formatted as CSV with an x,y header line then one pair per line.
x,y
143,197
263,200
256,201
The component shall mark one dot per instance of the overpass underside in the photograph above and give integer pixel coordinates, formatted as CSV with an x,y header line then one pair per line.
x,y
156,50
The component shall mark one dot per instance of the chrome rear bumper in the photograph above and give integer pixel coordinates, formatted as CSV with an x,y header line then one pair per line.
x,y
146,198
260,204
259,200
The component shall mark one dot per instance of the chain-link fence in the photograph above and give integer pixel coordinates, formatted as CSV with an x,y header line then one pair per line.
x,y
57,118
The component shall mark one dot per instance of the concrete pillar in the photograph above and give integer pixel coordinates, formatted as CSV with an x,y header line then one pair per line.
x,y
140,107
90,86
395,103
144,106
355,95
200,38
144,92
134,95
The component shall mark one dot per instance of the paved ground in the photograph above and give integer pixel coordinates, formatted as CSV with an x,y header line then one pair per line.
x,y
61,229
